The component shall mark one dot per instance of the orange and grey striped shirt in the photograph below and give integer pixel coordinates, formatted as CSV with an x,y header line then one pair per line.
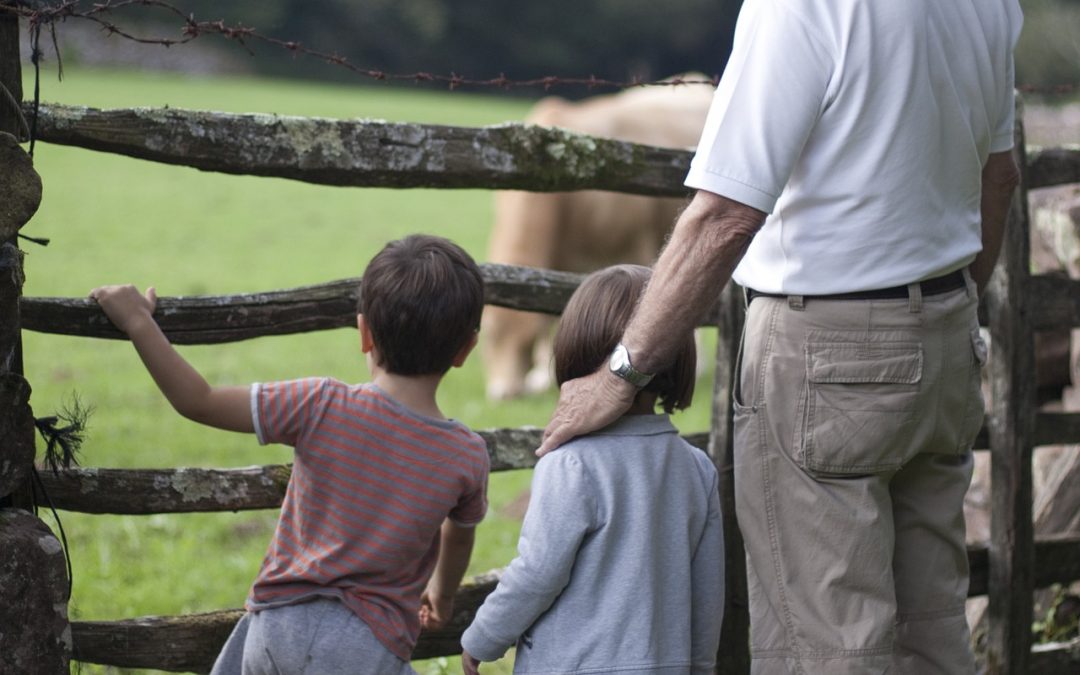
x,y
371,484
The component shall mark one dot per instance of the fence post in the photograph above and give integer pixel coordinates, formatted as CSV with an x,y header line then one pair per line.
x,y
35,636
734,655
20,195
1011,439
10,74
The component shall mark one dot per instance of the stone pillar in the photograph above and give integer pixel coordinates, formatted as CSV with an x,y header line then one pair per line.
x,y
20,196
35,637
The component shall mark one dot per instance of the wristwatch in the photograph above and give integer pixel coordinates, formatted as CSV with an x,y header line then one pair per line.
x,y
620,366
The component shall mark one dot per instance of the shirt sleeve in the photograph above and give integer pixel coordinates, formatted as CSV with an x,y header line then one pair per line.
x,y
562,510
1003,136
282,411
769,99
707,579
472,506
1003,133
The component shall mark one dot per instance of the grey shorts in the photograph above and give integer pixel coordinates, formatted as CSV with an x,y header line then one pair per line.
x,y
320,637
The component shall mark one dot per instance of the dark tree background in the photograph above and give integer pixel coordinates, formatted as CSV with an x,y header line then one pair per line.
x,y
479,39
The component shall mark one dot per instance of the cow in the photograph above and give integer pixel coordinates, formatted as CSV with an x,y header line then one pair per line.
x,y
585,230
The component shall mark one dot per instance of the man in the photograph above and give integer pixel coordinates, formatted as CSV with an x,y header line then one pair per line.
x,y
856,168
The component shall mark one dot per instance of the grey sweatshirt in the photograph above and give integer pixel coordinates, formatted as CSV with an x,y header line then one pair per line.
x,y
620,565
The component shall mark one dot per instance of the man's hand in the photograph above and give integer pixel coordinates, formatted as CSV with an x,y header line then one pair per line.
x,y
587,404
470,664
435,610
125,306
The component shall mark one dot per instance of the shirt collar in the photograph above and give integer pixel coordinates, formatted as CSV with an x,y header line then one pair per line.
x,y
639,425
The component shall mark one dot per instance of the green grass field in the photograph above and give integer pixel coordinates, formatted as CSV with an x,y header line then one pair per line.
x,y
116,220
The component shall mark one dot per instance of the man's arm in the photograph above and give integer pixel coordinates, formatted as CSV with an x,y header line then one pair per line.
x,y
226,408
1000,176
455,548
708,241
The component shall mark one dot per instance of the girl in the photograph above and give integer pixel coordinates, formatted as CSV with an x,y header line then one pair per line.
x,y
620,560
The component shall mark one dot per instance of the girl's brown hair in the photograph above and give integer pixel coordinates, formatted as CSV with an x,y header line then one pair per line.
x,y
594,321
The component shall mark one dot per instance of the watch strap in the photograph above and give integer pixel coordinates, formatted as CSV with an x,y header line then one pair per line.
x,y
621,366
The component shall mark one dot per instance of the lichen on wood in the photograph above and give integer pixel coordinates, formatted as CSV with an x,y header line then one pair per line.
x,y
371,153
186,490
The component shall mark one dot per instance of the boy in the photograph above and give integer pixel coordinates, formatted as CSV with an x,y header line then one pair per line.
x,y
384,491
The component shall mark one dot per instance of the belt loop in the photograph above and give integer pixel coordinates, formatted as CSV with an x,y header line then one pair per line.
x,y
914,298
796,303
969,284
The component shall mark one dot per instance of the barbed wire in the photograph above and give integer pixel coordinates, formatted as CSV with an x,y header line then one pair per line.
x,y
193,28
39,14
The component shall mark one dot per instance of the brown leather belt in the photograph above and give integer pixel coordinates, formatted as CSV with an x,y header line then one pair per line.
x,y
937,285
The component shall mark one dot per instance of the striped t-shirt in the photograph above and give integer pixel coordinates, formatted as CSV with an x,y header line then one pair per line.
x,y
371,484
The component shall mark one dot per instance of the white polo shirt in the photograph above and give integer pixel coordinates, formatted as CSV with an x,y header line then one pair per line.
x,y
861,127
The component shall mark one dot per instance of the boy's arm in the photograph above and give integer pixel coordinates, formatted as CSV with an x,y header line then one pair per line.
x,y
455,547
132,312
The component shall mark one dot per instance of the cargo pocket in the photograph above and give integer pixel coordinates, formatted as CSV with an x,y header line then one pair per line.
x,y
975,410
860,406
746,429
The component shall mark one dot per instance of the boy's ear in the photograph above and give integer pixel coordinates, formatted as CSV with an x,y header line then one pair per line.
x,y
463,353
367,342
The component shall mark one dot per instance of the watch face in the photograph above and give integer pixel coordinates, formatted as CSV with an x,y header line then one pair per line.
x,y
620,365
620,360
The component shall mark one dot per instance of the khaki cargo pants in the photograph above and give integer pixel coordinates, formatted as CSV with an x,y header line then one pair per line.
x,y
854,421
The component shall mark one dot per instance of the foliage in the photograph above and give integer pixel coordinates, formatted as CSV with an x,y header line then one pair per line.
x,y
1048,53
1061,621
481,39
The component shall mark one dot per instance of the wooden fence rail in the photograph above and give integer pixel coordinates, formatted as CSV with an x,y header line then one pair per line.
x,y
190,490
191,642
371,153
1056,428
1054,303
230,318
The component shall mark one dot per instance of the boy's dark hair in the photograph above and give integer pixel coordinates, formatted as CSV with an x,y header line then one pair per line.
x,y
594,321
422,297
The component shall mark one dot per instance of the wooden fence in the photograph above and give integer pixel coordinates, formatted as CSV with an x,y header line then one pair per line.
x,y
363,153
